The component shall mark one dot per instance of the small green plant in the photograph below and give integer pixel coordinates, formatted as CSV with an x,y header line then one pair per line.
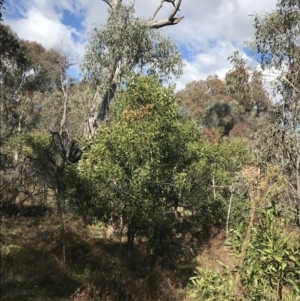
x,y
271,270
212,286
272,259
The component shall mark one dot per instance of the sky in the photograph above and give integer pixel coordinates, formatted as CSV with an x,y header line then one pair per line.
x,y
210,31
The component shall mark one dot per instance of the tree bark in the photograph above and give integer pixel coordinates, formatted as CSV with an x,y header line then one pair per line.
x,y
102,99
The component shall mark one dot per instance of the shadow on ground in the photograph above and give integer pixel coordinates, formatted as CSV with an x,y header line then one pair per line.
x,y
32,265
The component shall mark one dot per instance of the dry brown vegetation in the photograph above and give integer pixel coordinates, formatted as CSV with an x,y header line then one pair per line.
x,y
95,268
214,251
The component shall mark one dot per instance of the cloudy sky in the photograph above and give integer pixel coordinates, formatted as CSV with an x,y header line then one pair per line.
x,y
210,31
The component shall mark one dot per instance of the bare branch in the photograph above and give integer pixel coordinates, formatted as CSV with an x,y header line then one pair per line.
x,y
171,19
108,2
175,10
158,8
162,23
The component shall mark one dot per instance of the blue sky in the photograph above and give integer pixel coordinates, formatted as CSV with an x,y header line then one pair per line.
x,y
72,20
210,31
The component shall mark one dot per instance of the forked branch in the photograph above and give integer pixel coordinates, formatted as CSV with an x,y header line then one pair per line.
x,y
171,20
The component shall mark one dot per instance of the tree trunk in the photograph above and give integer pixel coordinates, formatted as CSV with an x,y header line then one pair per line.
x,y
130,246
99,109
103,97
60,198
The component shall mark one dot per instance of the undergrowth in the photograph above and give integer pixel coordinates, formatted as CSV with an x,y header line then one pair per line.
x,y
95,269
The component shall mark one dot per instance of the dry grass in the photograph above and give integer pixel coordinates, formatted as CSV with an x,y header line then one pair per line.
x,y
215,251
96,266
95,269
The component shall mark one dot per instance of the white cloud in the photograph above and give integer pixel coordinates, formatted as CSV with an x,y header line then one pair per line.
x,y
38,27
46,28
214,61
219,19
210,30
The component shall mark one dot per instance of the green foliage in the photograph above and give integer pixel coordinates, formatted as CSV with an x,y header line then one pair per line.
x,y
277,33
10,47
245,85
218,115
272,261
270,271
47,67
269,262
208,102
33,144
277,41
211,286
223,158
28,154
140,164
126,41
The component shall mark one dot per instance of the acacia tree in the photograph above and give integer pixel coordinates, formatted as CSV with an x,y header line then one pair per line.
x,y
127,43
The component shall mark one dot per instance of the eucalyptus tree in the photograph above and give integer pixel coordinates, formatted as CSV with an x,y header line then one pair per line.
x,y
127,43
245,85
208,102
236,105
277,39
